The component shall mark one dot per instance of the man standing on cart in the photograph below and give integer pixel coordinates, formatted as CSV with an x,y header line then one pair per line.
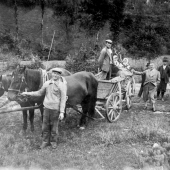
x,y
105,61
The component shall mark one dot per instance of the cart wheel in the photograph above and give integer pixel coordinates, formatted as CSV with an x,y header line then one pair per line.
x,y
128,96
113,107
133,86
128,102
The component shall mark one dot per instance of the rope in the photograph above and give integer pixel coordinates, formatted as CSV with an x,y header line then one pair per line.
x,y
74,108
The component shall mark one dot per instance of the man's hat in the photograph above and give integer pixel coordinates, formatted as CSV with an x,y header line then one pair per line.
x,y
58,70
115,56
165,59
147,65
109,41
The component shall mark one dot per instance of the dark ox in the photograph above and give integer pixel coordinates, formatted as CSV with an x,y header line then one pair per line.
x,y
5,82
81,89
29,79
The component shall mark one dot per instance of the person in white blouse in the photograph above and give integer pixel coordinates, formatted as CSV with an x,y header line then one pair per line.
x,y
119,64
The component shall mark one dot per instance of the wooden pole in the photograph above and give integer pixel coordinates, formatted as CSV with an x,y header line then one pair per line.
x,y
2,111
16,19
42,21
50,49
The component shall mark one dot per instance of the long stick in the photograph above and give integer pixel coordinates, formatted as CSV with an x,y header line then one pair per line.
x,y
74,108
42,21
20,109
16,19
50,48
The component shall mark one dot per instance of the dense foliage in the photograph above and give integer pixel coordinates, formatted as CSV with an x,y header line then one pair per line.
x,y
93,14
83,60
147,29
142,27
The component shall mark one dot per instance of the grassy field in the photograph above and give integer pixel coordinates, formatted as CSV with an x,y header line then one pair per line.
x,y
101,146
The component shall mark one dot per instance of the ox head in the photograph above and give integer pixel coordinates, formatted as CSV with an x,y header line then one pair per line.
x,y
18,84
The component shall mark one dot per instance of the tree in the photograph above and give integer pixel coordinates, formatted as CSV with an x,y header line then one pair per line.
x,y
147,29
16,18
42,20
116,17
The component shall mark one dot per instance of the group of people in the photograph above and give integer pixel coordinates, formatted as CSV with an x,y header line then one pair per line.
x,y
56,88
154,81
108,59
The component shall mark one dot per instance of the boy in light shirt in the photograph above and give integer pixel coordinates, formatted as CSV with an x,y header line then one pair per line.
x,y
54,103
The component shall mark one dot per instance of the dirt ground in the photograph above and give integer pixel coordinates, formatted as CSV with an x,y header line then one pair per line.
x,y
101,146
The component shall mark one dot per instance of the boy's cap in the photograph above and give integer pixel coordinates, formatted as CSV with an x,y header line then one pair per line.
x,y
58,70
109,41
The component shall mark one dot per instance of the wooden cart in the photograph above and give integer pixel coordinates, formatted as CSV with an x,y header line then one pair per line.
x,y
113,95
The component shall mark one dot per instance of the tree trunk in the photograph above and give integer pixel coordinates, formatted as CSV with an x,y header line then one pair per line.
x,y
16,18
147,2
42,21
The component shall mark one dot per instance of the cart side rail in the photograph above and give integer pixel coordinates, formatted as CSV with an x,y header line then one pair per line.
x,y
106,87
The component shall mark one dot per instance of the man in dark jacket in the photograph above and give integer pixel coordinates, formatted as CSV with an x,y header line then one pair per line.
x,y
164,73
105,59
143,80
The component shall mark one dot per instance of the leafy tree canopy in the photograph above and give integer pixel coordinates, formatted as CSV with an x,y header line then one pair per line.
x,y
147,28
93,14
142,26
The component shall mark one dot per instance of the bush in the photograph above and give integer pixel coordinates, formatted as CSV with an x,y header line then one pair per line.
x,y
12,63
83,60
36,65
7,41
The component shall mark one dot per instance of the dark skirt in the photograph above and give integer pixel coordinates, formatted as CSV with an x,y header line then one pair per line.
x,y
141,87
162,86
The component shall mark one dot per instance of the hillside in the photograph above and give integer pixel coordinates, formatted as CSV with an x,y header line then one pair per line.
x,y
29,22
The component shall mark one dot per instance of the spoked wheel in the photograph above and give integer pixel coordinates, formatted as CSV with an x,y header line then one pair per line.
x,y
129,94
113,107
133,86
128,102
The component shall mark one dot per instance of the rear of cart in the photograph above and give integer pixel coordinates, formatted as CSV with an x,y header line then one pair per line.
x,y
109,98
